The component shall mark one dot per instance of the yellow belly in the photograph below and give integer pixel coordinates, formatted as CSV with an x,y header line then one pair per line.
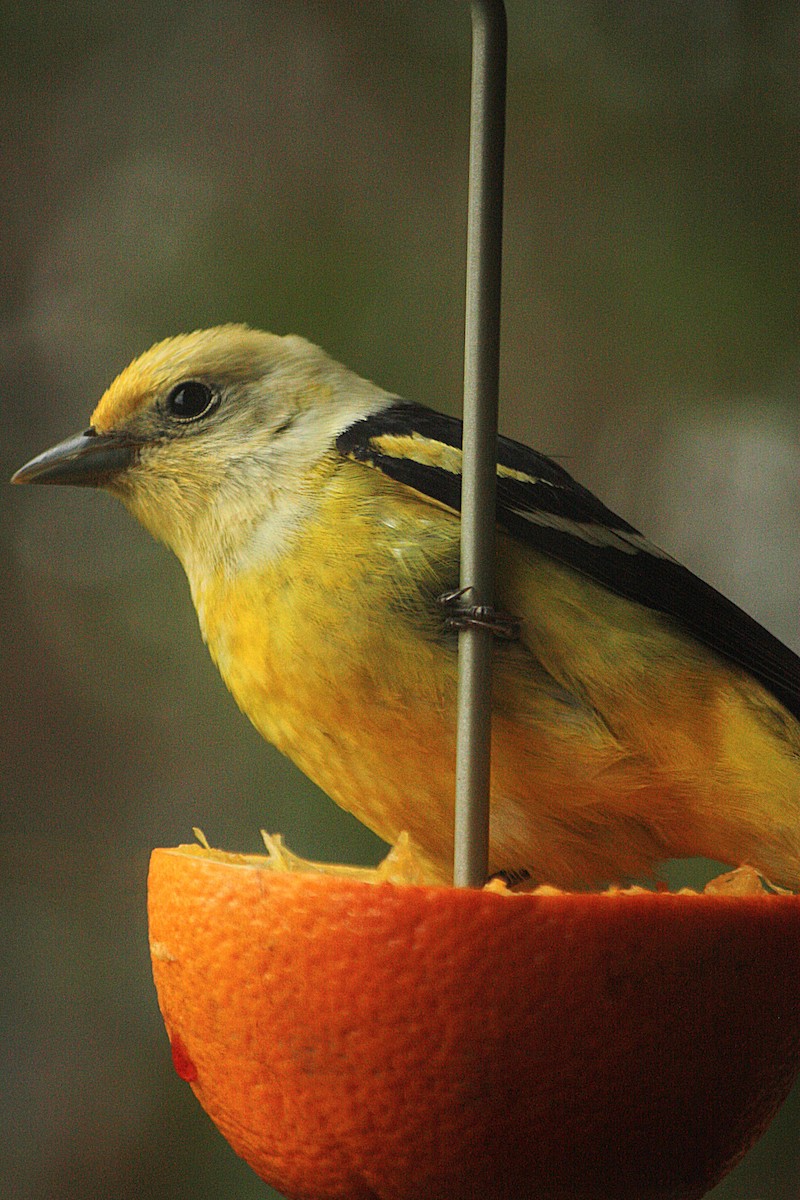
x,y
615,744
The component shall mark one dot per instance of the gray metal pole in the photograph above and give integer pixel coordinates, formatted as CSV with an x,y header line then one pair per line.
x,y
481,370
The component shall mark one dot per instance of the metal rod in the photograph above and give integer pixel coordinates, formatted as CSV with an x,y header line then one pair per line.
x,y
481,371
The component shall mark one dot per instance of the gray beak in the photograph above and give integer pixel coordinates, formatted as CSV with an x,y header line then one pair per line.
x,y
89,459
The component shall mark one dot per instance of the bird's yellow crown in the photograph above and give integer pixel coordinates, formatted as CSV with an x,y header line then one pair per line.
x,y
229,352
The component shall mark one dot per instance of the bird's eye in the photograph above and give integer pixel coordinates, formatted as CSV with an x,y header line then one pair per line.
x,y
191,400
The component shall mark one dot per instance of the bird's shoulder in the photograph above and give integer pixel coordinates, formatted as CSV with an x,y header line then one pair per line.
x,y
421,448
540,505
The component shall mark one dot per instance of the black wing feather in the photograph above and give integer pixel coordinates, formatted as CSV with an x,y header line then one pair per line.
x,y
553,513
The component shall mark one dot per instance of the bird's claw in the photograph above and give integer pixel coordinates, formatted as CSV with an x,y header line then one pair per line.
x,y
479,616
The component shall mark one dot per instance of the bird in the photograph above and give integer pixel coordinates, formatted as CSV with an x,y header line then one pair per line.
x,y
637,714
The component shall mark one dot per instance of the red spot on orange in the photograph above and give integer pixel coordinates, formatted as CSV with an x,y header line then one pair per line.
x,y
184,1067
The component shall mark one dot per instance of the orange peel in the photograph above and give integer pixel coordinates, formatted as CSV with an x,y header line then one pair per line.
x,y
355,1038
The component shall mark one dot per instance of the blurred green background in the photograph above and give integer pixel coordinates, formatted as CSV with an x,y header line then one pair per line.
x,y
301,166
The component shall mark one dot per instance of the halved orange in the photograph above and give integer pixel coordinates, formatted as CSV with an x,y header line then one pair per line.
x,y
356,1039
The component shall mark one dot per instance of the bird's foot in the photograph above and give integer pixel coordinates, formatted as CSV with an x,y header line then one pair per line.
x,y
478,616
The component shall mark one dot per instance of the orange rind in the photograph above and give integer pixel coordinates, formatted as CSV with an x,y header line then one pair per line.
x,y
356,1038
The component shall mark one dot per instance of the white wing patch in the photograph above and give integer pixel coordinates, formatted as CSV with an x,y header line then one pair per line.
x,y
593,533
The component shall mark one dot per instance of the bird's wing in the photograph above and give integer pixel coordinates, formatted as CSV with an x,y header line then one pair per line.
x,y
539,503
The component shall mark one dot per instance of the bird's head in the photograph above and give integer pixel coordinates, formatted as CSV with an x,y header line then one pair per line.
x,y
203,432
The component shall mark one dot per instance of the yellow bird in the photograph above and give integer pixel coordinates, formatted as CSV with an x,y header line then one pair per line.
x,y
637,716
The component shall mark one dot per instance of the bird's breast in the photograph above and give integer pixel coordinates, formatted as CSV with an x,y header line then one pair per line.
x,y
335,657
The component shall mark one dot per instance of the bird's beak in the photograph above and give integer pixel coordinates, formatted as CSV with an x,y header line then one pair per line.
x,y
89,459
